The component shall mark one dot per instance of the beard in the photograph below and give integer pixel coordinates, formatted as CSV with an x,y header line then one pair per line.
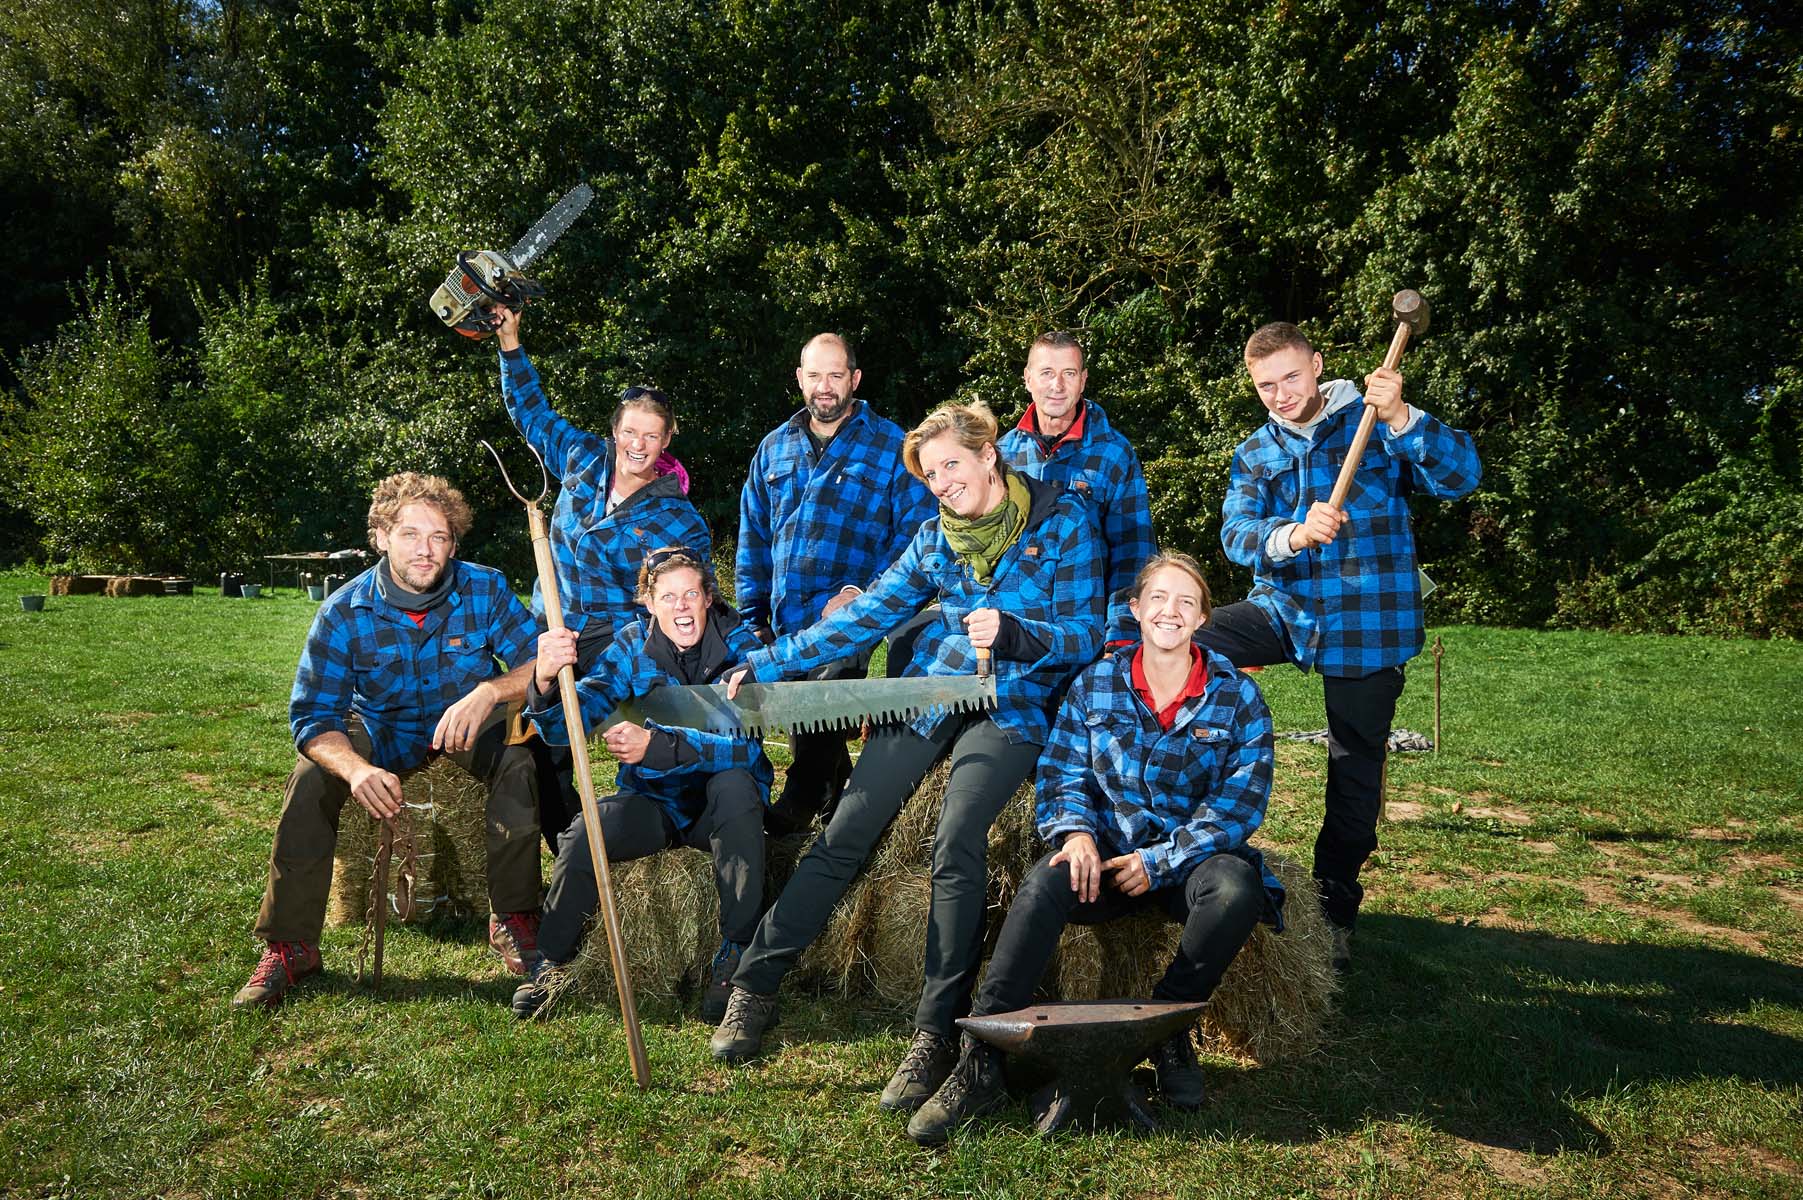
x,y
828,409
421,578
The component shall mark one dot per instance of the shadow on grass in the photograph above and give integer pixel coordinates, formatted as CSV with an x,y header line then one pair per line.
x,y
1499,1037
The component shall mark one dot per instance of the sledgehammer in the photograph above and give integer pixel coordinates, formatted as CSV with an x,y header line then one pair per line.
x,y
1411,314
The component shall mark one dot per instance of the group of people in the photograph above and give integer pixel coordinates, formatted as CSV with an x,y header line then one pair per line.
x,y
1117,681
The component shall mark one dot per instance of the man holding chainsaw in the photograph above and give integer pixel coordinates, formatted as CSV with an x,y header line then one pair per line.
x,y
1335,591
401,665
826,507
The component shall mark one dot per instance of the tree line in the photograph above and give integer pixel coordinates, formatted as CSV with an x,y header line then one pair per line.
x,y
225,216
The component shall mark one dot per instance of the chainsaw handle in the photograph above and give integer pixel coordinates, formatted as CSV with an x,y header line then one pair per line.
x,y
475,277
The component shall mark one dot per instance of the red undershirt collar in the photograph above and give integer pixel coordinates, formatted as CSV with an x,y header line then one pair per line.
x,y
1194,686
1029,423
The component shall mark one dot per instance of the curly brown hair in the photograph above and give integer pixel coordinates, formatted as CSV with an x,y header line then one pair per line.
x,y
410,487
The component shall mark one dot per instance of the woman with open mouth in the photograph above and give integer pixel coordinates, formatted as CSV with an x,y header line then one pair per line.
x,y
1016,568
676,787
619,497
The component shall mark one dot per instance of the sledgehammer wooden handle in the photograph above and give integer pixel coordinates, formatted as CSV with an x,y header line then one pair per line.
x,y
1410,311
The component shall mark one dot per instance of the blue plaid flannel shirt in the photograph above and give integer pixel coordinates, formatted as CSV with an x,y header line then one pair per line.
x,y
1175,796
1352,607
1105,468
808,529
365,656
1049,581
596,555
625,670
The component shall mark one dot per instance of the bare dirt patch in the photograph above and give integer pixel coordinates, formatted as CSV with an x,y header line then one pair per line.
x,y
1403,810
1518,1168
1602,894
1738,1158
1542,847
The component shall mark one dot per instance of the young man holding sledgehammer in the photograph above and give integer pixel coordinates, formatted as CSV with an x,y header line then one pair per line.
x,y
1335,588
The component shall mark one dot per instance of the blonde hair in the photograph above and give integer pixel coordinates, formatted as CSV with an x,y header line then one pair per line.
x,y
1184,563
972,424
665,559
410,487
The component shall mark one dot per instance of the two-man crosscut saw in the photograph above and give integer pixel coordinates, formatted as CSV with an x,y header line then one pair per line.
x,y
807,706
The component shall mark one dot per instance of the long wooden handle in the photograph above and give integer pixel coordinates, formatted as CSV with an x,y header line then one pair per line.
x,y
1367,423
585,787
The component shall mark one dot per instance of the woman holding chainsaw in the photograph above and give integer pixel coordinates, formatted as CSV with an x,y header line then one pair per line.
x,y
618,497
1016,568
677,787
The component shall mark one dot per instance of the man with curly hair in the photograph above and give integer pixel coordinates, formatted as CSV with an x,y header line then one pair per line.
x,y
403,663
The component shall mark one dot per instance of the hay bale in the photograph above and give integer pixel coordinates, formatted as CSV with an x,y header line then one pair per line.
x,y
134,585
1273,1001
78,585
1271,1004
445,816
670,921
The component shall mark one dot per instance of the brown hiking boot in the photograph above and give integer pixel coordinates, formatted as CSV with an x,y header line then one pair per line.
x,y
514,936
929,1060
283,965
974,1087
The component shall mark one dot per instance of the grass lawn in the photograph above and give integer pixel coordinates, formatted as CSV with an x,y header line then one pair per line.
x,y
1580,972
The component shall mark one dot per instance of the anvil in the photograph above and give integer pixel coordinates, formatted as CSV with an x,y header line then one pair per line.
x,y
1088,1052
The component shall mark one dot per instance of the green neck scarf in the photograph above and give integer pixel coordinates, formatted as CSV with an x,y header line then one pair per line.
x,y
981,541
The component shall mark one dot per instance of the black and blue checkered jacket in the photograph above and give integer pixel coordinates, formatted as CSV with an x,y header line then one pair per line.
x,y
1104,468
1049,583
1352,607
625,669
1175,796
365,656
808,529
596,553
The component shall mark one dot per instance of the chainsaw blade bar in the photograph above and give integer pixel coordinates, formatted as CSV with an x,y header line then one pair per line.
x,y
807,705
551,226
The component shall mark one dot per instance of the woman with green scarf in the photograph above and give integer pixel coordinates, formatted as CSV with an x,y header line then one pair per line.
x,y
1015,566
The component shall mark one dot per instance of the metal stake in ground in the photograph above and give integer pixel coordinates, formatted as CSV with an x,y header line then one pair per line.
x,y
379,914
585,780
1411,314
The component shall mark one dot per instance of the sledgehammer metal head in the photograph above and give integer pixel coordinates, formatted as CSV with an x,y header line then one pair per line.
x,y
1411,310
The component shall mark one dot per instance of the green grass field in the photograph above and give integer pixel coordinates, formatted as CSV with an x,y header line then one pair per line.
x,y
1580,972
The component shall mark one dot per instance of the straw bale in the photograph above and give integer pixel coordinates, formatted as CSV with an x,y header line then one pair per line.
x,y
445,814
670,921
1271,1004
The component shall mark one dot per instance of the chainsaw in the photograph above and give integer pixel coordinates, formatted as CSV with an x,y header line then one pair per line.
x,y
483,279
807,706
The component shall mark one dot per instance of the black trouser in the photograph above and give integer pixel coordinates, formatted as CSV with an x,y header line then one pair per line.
x,y
306,834
986,768
1359,712
819,762
1217,904
731,827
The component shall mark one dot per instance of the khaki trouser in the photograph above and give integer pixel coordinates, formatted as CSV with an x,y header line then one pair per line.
x,y
300,865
